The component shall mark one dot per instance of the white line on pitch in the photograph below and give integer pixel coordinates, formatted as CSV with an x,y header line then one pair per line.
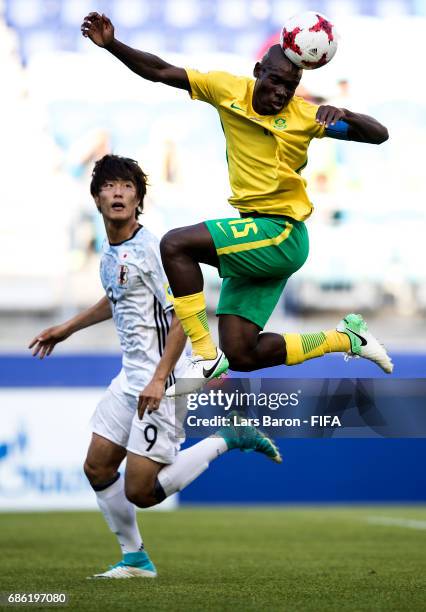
x,y
397,522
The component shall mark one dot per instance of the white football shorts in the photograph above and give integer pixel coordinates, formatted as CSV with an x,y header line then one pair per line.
x,y
158,436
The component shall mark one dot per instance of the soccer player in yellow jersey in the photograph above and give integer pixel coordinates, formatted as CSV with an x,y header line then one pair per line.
x,y
267,131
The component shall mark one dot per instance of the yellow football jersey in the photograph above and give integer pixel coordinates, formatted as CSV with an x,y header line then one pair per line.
x,y
265,153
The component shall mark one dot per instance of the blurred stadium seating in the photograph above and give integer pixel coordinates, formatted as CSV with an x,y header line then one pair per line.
x,y
235,26
66,103
67,119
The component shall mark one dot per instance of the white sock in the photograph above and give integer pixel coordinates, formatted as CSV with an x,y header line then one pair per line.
x,y
190,463
120,515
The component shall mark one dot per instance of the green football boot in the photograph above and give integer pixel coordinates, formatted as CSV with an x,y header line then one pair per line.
x,y
247,438
363,343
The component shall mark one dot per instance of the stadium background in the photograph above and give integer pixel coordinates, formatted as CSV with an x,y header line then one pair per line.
x,y
65,103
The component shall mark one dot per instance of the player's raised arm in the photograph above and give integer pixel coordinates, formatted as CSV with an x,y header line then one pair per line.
x,y
100,30
343,124
44,343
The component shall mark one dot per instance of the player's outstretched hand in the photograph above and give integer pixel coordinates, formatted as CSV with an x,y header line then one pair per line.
x,y
328,115
150,397
98,28
44,343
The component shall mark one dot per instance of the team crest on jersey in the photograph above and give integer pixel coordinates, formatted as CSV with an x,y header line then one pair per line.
x,y
169,294
123,276
280,123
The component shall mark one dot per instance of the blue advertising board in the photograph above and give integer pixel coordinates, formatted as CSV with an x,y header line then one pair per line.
x,y
315,470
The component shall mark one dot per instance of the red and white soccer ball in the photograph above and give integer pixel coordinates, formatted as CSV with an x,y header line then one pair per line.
x,y
309,40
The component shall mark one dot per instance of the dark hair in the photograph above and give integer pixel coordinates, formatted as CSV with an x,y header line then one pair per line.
x,y
115,167
275,55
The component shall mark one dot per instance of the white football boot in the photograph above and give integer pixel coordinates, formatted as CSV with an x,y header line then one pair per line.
x,y
197,372
363,343
133,565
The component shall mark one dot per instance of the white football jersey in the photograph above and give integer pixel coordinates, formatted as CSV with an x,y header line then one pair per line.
x,y
137,288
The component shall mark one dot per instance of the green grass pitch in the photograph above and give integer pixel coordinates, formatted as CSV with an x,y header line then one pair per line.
x,y
219,559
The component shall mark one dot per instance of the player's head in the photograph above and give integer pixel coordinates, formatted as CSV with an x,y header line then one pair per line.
x,y
276,82
118,187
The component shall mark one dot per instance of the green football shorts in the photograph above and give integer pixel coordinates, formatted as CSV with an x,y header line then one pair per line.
x,y
257,255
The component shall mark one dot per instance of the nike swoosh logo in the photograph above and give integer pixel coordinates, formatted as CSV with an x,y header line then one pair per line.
x,y
208,373
233,105
219,224
363,340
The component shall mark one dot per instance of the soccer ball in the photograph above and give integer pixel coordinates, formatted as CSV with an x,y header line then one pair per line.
x,y
309,40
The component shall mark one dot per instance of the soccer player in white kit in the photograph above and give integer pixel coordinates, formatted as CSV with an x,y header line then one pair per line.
x,y
134,419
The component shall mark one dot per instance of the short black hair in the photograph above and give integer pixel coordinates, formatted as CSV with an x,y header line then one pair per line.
x,y
115,167
275,55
